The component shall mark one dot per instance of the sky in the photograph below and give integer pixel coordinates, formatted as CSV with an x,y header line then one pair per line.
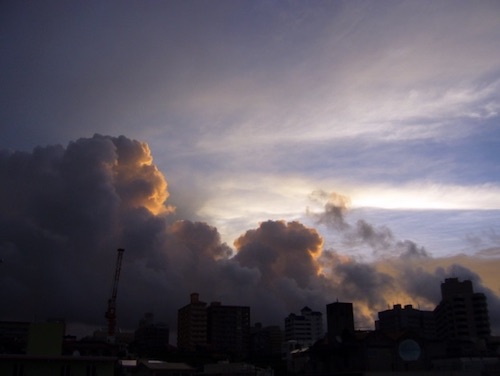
x,y
266,153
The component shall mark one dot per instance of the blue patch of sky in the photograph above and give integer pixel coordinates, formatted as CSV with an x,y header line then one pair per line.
x,y
362,159
476,159
467,161
441,232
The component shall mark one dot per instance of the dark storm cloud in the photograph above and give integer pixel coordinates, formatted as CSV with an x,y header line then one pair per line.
x,y
285,255
64,213
297,270
65,210
281,249
420,283
365,282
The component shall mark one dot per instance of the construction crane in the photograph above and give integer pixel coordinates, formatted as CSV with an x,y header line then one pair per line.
x,y
111,312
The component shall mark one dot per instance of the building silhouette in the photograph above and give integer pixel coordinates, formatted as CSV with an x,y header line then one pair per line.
x,y
13,337
406,318
462,313
340,320
266,342
151,338
215,328
228,329
44,354
305,328
192,325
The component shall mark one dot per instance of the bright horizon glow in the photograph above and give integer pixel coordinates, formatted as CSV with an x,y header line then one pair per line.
x,y
290,197
430,196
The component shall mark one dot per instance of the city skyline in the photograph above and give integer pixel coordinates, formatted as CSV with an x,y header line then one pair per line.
x,y
286,153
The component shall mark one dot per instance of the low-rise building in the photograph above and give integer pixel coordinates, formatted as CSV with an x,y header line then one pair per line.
x,y
405,318
43,356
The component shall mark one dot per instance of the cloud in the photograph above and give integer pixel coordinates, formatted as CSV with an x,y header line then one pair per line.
x,y
65,210
400,82
419,280
280,249
379,239
335,209
279,95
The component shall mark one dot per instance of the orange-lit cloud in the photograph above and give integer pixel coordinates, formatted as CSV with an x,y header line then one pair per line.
x,y
280,249
139,182
82,202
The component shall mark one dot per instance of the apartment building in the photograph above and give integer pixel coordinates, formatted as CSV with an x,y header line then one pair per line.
x,y
462,313
192,325
407,318
305,328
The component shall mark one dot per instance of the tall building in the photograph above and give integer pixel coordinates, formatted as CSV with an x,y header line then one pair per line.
x,y
306,328
407,318
462,313
339,320
219,328
151,338
228,329
192,325
266,342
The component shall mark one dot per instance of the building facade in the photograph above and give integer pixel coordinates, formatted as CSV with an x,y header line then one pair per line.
x,y
462,313
228,329
151,338
340,320
305,328
217,328
44,356
13,337
266,342
192,325
407,318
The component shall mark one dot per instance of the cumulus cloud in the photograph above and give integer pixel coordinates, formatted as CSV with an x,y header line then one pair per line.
x,y
280,249
65,211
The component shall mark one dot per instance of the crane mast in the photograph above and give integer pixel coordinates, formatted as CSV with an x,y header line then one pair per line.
x,y
111,312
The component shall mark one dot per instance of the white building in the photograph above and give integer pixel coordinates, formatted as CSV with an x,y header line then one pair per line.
x,y
306,328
